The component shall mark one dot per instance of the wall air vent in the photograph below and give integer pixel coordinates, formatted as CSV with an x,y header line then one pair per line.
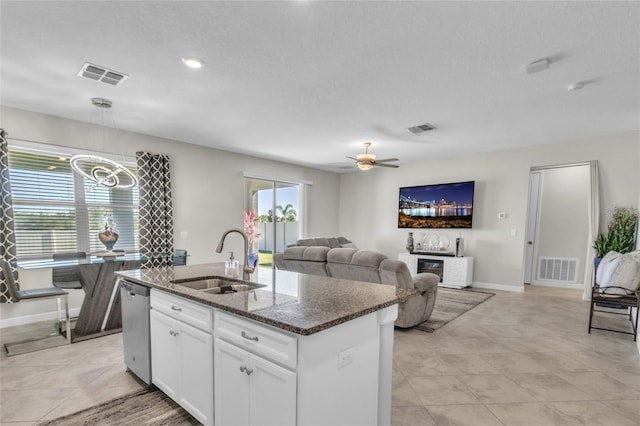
x,y
103,74
417,130
558,269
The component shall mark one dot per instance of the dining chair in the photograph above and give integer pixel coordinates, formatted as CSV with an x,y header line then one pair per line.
x,y
179,257
66,276
35,294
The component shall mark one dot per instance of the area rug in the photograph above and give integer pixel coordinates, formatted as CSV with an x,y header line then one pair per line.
x,y
450,304
145,407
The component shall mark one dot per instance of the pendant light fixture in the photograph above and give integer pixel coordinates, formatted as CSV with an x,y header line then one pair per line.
x,y
103,171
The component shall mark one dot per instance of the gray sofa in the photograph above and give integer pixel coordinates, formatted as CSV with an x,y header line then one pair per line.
x,y
362,265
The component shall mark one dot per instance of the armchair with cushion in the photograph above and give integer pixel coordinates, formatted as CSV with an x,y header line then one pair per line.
x,y
419,292
617,289
374,267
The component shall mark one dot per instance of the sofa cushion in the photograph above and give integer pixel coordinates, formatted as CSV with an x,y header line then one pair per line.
x,y
311,254
353,264
607,267
627,273
341,255
331,242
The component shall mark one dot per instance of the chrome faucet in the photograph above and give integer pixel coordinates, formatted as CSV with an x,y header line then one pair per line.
x,y
247,269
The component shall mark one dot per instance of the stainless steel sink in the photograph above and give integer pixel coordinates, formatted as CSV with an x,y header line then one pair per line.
x,y
217,285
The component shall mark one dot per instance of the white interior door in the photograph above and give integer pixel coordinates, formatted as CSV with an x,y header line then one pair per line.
x,y
535,180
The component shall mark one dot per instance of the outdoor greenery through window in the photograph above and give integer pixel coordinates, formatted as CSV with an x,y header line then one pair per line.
x,y
57,210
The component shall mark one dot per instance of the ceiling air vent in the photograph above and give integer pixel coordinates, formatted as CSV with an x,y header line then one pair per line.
x,y
103,74
417,130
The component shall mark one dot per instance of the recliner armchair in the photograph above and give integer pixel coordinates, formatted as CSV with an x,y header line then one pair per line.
x,y
418,294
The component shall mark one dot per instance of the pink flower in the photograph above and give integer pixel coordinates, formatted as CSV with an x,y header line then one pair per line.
x,y
250,227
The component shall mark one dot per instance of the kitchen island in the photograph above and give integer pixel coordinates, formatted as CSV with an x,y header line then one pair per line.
x,y
298,349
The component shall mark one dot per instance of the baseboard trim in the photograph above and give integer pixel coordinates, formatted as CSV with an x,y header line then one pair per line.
x,y
501,287
29,319
558,285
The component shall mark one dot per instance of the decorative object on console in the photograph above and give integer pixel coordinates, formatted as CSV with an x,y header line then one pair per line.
x,y
100,170
366,161
459,247
410,242
436,206
108,236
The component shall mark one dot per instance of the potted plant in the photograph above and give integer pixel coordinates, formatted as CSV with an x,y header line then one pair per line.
x,y
620,235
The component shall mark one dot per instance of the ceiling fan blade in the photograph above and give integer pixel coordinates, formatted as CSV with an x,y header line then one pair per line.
x,y
351,158
387,159
387,165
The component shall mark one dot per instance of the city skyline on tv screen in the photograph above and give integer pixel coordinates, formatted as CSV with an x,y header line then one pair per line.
x,y
447,205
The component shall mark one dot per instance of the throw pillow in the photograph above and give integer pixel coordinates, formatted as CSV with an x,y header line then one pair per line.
x,y
607,267
627,273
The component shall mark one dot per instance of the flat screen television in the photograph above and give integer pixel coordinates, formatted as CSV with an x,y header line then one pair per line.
x,y
447,205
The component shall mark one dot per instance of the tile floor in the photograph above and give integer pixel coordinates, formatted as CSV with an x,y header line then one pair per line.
x,y
517,359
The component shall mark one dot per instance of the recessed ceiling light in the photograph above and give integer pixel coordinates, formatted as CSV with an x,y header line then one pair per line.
x,y
193,62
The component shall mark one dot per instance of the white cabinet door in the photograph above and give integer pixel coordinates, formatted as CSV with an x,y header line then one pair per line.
x,y
195,366
182,365
250,390
164,354
272,393
231,384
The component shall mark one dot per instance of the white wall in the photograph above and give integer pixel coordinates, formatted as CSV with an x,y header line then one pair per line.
x,y
369,200
208,187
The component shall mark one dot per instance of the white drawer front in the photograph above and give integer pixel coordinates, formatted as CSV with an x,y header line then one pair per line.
x,y
266,342
192,313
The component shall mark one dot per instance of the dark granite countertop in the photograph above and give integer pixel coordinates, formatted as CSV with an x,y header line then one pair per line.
x,y
300,303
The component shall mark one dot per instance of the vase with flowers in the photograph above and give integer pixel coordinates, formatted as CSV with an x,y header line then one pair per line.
x,y
251,230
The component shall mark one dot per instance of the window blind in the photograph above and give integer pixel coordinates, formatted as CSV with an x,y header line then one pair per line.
x,y
57,210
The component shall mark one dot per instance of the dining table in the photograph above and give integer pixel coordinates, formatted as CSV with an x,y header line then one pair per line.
x,y
100,312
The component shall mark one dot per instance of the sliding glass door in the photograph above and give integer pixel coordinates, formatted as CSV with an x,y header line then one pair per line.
x,y
277,206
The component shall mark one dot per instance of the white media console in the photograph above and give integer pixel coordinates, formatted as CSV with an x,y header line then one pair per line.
x,y
456,272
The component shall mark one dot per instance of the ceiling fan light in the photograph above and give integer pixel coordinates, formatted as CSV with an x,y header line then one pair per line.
x,y
366,157
365,166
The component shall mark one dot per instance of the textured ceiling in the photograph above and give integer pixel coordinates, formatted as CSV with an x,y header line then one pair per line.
x,y
308,82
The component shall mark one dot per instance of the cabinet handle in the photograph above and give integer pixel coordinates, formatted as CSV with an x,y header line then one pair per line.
x,y
246,336
249,372
176,308
173,333
243,368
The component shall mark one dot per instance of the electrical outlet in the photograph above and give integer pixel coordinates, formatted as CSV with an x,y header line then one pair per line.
x,y
345,357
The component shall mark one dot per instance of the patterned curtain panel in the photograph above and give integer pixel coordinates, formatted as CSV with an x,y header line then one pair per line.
x,y
156,211
7,233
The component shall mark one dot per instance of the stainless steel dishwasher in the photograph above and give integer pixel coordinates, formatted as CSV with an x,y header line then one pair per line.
x,y
136,332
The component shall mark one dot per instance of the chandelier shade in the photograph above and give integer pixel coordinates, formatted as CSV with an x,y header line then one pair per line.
x,y
103,171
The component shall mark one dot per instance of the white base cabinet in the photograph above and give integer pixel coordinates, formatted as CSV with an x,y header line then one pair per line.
x,y
339,376
263,375
250,390
182,356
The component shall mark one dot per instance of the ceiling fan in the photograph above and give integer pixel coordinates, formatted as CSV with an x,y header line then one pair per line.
x,y
366,161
